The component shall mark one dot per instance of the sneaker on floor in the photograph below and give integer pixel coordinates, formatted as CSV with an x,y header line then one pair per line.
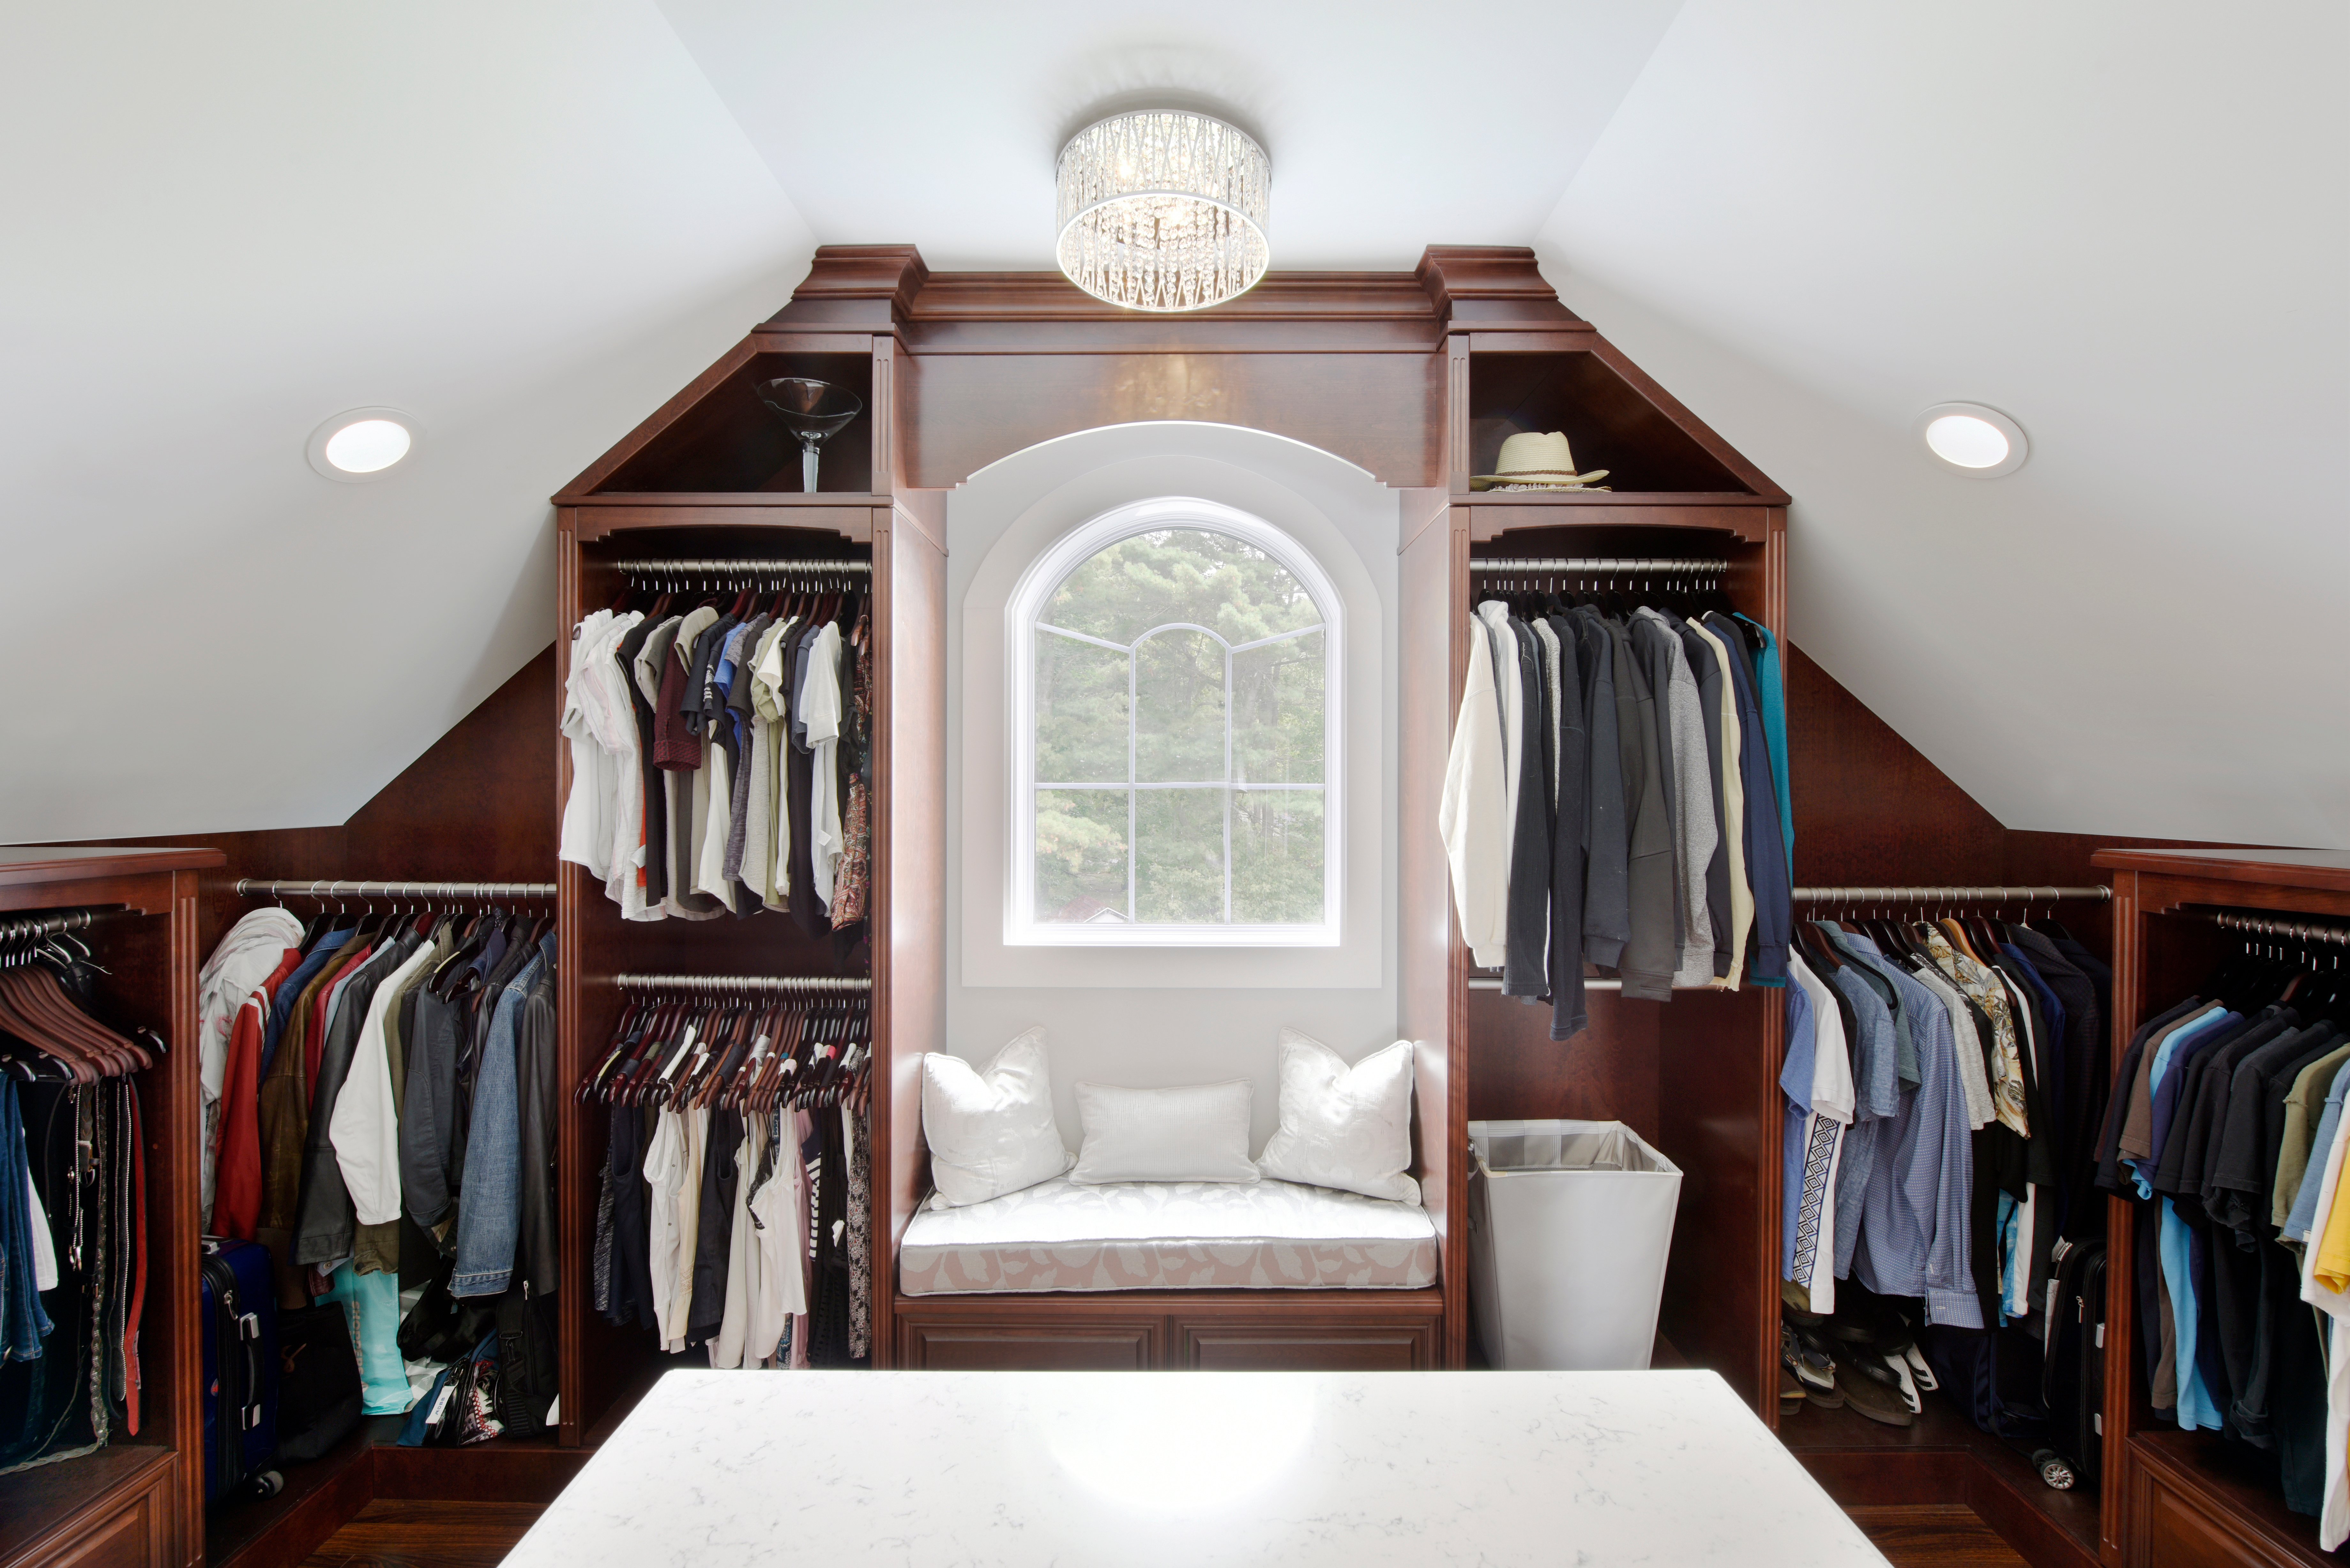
x,y
1811,1368
1901,1368
1920,1372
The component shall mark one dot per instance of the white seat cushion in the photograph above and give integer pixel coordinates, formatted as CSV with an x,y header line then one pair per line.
x,y
1169,1236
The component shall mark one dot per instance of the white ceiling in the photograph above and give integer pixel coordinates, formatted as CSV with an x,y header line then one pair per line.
x,y
937,123
2126,224
528,225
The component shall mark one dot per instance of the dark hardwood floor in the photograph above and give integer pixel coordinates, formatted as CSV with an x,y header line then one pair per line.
x,y
1935,1535
407,1532
393,1532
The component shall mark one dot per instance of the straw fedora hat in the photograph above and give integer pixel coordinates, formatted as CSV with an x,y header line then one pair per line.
x,y
1536,461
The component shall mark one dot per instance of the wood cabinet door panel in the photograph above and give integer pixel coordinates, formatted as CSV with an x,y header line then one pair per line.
x,y
125,1538
1290,1345
2172,1533
1087,1348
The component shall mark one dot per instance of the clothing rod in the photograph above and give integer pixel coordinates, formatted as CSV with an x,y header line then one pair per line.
x,y
54,925
767,567
247,887
1947,894
2298,930
1598,563
1478,983
718,982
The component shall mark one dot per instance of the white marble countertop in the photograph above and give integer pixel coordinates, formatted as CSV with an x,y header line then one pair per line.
x,y
941,1470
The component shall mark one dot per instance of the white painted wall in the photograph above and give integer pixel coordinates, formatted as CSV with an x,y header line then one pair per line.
x,y
1144,1018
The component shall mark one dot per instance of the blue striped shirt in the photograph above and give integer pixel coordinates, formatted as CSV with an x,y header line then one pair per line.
x,y
1915,1235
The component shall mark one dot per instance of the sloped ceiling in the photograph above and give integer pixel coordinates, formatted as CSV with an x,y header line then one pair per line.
x,y
526,224
2126,224
1389,125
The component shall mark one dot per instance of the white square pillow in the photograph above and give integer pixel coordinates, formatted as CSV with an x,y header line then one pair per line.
x,y
1348,1127
991,1131
1199,1134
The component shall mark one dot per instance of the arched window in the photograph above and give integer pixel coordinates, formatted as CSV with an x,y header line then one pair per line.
x,y
1175,672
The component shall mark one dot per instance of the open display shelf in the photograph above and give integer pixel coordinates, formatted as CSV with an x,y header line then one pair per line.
x,y
1518,360
1608,422
727,441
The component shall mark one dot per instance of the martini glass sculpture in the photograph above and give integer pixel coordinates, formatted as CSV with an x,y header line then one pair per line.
x,y
814,412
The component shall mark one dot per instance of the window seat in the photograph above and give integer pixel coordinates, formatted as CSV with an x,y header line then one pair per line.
x,y
1168,1235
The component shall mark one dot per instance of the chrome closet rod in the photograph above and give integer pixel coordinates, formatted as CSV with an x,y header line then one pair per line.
x,y
676,567
1947,894
53,925
1477,983
713,983
1667,565
248,888
2299,931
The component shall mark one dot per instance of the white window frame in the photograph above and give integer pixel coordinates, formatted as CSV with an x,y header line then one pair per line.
x,y
1037,585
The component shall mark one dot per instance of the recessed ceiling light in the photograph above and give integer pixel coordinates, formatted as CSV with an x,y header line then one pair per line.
x,y
1971,439
358,445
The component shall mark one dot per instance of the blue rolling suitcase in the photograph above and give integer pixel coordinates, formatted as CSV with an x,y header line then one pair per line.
x,y
239,1331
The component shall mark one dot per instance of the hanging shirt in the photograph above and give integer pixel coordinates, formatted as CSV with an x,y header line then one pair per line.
x,y
1818,1081
821,713
779,1212
365,1129
253,949
1525,961
1766,854
647,655
1916,1239
1571,818
1771,697
694,1127
741,1263
586,837
1694,813
1730,790
665,1173
760,820
2324,1277
1606,867
609,719
1472,816
1979,986
2304,1130
1878,1101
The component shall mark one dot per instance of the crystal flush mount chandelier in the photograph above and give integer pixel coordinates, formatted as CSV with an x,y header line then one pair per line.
x,y
1163,210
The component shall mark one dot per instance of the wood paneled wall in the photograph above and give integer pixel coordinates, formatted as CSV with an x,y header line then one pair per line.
x,y
1871,810
478,806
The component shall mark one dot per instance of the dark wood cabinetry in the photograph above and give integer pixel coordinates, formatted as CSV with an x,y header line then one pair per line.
x,y
1518,360
1407,375
1236,1331
2188,1499
137,1502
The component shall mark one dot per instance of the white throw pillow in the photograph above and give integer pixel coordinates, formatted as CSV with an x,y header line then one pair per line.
x,y
1348,1127
1199,1134
991,1131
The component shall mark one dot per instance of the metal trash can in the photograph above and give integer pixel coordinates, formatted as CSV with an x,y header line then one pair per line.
x,y
1569,1226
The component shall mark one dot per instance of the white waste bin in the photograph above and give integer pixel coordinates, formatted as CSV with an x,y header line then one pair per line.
x,y
1569,1226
